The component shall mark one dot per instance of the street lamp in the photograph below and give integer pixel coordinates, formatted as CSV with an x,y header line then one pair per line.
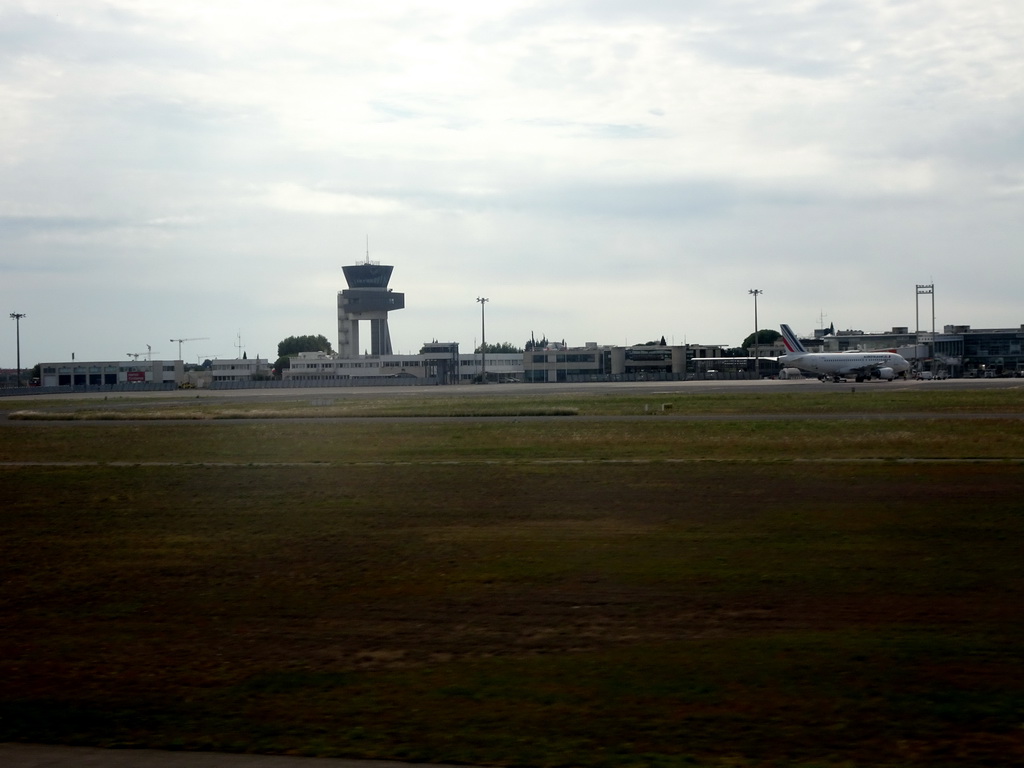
x,y
483,340
16,316
755,292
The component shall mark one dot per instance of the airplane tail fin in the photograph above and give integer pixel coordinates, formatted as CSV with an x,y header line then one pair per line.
x,y
789,338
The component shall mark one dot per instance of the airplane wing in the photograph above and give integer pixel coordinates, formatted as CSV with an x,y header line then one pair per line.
x,y
867,368
736,360
861,368
744,359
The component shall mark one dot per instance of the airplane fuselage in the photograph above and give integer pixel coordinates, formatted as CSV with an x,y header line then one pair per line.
x,y
860,364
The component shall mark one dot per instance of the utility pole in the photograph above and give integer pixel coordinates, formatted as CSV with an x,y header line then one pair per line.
x,y
755,292
16,316
483,340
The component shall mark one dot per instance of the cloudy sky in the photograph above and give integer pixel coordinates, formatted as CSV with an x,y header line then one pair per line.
x,y
602,171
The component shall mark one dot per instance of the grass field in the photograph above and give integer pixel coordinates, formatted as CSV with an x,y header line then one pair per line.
x,y
530,592
533,401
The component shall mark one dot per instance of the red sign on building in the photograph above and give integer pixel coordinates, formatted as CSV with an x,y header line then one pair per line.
x,y
136,376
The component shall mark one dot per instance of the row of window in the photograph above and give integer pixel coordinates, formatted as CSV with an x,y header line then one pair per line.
x,y
94,369
94,379
336,364
570,358
468,364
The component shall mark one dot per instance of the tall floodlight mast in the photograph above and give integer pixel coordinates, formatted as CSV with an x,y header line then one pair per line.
x,y
483,340
755,292
16,317
925,290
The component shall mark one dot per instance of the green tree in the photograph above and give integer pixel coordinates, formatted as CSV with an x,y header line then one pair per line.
x,y
765,338
505,347
293,345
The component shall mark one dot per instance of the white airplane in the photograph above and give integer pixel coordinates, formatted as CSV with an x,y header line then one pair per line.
x,y
838,365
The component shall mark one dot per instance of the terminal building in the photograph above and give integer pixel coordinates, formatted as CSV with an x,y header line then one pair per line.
x,y
239,370
956,351
111,373
166,374
437,363
593,362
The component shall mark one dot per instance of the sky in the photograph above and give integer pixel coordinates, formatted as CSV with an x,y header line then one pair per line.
x,y
600,171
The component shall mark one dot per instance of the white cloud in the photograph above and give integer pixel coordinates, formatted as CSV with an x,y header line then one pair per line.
x,y
606,170
296,198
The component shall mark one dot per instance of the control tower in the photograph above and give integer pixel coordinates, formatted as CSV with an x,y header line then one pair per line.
x,y
366,298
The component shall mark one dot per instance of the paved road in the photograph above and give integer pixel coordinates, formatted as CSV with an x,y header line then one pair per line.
x,y
41,756
530,390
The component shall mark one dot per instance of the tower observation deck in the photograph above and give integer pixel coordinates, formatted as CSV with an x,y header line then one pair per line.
x,y
366,298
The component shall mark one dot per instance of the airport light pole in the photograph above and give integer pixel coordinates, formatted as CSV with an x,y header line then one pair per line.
x,y
755,292
925,290
483,340
16,316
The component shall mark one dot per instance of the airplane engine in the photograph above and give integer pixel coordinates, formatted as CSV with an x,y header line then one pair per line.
x,y
886,373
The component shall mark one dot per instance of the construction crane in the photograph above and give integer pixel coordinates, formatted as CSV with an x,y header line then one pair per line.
x,y
136,355
197,338
201,358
